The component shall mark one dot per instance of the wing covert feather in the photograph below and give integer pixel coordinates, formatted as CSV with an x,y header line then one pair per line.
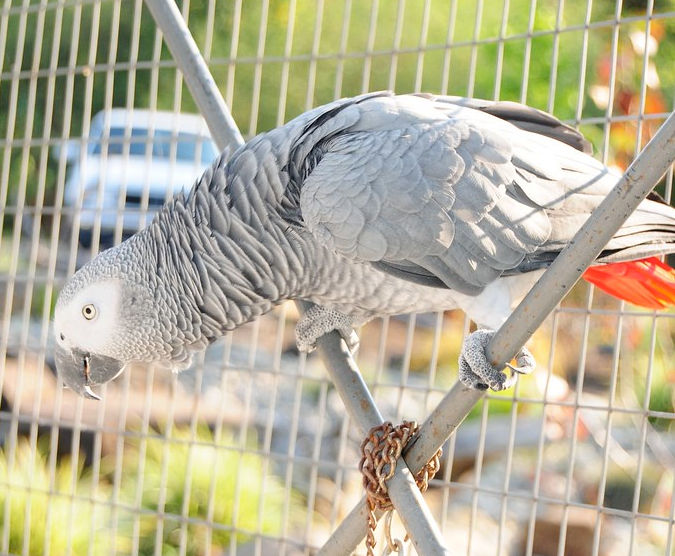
x,y
447,196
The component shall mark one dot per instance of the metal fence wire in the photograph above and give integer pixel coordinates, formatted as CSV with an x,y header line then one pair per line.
x,y
254,450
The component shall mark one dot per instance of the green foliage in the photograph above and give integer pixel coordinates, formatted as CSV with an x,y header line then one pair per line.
x,y
273,64
221,489
197,490
51,513
365,46
661,399
641,357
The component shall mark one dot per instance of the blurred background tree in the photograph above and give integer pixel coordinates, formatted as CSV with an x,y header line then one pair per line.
x,y
552,55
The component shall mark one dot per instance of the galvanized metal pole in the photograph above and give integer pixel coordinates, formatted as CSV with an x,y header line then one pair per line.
x,y
404,493
196,73
633,187
434,432
640,178
408,501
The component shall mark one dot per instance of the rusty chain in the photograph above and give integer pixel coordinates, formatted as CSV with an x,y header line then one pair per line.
x,y
380,451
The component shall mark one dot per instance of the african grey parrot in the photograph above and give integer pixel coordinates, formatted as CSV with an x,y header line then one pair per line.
x,y
368,206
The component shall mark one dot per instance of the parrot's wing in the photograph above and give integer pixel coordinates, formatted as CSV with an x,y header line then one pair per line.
x,y
439,193
523,117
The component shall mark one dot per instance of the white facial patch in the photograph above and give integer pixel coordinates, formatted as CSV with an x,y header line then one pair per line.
x,y
88,321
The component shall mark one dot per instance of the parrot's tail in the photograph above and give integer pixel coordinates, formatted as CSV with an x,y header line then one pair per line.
x,y
647,282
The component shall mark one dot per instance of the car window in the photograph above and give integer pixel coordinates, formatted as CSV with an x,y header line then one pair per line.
x,y
188,146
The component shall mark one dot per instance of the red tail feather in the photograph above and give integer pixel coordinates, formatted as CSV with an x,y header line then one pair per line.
x,y
648,282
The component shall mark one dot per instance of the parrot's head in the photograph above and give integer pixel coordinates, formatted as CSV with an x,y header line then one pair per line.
x,y
105,317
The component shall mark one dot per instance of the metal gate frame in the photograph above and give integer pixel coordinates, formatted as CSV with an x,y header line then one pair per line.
x,y
636,183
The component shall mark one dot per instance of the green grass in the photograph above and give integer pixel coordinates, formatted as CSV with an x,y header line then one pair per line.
x,y
227,493
56,513
221,488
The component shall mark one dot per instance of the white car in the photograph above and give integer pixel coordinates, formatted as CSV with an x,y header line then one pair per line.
x,y
131,164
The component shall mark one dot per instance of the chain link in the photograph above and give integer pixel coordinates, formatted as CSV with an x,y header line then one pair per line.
x,y
380,452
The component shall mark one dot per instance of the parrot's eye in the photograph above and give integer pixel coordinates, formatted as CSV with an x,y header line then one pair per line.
x,y
89,311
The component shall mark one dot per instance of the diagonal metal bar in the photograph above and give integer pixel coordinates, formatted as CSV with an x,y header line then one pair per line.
x,y
404,493
566,270
196,73
631,189
636,183
411,507
439,426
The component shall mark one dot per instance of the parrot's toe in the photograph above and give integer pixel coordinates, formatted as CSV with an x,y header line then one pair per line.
x,y
525,362
475,370
303,346
351,338
318,321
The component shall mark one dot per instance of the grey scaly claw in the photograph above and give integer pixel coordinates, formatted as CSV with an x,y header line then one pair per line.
x,y
318,321
476,371
351,338
525,362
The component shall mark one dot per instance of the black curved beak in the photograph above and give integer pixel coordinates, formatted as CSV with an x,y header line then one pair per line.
x,y
79,370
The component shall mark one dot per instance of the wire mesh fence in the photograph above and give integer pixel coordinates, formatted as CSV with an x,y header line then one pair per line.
x,y
250,451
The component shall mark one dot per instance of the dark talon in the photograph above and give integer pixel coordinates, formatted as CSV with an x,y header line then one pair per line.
x,y
88,392
85,366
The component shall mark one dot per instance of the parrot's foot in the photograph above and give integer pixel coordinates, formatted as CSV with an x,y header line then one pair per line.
x,y
475,370
318,321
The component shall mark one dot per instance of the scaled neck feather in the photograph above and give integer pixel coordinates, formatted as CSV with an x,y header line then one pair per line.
x,y
224,252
